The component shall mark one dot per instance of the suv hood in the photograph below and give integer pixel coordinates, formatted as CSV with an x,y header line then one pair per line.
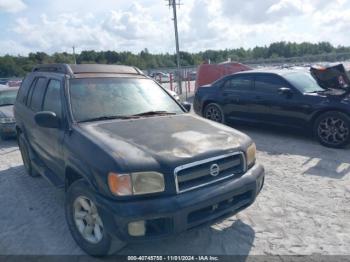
x,y
6,111
333,77
168,139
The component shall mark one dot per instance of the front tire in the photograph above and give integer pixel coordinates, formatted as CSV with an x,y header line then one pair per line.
x,y
85,223
332,129
214,112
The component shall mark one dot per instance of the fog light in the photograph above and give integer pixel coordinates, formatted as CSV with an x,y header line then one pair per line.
x,y
137,229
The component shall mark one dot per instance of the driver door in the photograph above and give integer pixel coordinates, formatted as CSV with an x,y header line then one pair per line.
x,y
275,107
51,139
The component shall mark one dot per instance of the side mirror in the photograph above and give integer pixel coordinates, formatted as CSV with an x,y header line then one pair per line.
x,y
187,106
47,119
285,91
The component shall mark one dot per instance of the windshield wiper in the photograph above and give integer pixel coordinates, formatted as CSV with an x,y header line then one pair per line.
x,y
102,118
153,113
149,113
6,105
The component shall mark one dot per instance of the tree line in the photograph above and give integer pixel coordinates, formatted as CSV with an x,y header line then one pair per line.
x,y
18,66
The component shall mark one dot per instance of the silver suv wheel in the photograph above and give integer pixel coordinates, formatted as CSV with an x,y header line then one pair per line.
x,y
87,220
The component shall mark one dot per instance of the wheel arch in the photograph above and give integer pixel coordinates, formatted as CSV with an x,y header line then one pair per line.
x,y
72,175
316,115
207,102
18,130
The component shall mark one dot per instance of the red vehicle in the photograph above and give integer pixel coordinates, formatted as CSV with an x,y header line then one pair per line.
x,y
208,73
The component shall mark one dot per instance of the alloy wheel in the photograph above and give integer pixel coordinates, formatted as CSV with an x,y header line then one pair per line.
x,y
87,220
214,113
333,130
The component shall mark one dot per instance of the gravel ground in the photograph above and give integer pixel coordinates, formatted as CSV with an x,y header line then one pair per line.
x,y
303,208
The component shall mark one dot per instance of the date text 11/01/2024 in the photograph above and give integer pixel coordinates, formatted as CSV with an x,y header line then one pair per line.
x,y
172,258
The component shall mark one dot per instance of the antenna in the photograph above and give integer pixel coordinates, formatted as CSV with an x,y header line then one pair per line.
x,y
174,4
75,60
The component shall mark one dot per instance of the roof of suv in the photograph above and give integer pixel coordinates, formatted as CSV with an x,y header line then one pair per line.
x,y
75,70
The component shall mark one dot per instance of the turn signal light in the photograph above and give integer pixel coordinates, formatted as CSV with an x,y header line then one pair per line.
x,y
120,185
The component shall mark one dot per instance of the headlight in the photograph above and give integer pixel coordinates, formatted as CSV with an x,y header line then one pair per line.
x,y
136,183
251,151
146,183
7,120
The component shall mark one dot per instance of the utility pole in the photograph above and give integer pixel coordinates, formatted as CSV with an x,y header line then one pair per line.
x,y
174,4
75,60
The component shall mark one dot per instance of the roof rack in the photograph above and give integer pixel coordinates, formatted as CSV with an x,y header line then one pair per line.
x,y
103,69
87,69
54,68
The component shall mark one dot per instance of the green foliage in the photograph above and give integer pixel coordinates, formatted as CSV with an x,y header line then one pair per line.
x,y
18,65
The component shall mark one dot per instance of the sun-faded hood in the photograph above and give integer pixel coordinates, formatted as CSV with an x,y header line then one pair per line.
x,y
167,139
6,111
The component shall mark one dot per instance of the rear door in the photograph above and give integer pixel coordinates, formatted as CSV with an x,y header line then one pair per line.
x,y
33,105
237,97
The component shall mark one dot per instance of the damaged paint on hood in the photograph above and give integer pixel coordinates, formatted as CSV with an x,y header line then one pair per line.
x,y
169,139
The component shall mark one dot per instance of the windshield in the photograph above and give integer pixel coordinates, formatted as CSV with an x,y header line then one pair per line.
x,y
93,98
304,82
8,97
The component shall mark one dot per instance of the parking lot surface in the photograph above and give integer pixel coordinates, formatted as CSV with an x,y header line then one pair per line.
x,y
303,208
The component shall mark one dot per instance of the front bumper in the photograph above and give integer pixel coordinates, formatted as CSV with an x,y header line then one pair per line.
x,y
8,129
172,215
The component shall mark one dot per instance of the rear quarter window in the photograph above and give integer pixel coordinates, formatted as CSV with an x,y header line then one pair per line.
x,y
240,83
23,90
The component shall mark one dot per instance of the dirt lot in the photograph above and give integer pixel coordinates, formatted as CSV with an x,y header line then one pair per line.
x,y
303,209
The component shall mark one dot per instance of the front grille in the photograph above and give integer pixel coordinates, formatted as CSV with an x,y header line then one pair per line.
x,y
198,174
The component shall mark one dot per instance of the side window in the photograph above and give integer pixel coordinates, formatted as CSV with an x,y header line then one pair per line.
x,y
239,84
52,101
268,84
37,94
29,93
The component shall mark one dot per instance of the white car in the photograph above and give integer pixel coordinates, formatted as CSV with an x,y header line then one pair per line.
x,y
162,77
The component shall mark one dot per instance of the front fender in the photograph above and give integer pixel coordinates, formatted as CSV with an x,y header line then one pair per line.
x,y
89,161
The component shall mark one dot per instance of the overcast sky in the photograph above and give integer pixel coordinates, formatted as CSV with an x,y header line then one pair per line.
x,y
132,25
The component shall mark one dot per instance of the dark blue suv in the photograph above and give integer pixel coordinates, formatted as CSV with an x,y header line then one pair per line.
x,y
134,163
